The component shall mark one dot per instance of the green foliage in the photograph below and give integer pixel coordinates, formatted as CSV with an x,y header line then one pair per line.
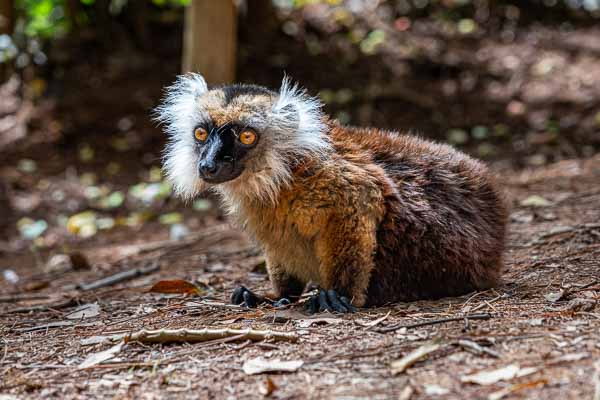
x,y
48,19
43,18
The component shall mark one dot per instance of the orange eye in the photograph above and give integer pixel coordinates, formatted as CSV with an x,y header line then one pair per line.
x,y
201,134
247,137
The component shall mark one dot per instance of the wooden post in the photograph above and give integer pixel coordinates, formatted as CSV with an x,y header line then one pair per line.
x,y
209,40
7,16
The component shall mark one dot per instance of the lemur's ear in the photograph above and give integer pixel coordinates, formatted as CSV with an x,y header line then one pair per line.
x,y
297,113
178,104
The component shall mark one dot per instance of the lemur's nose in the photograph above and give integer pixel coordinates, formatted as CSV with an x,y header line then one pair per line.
x,y
208,167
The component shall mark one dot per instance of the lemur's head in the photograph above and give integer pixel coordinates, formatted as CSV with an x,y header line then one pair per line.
x,y
240,139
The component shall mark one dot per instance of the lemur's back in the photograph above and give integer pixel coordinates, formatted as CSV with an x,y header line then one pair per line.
x,y
445,207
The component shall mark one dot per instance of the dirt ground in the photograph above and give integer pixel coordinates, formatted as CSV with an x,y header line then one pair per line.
x,y
543,328
523,97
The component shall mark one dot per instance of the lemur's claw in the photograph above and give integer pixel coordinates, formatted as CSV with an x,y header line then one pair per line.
x,y
245,297
330,301
282,302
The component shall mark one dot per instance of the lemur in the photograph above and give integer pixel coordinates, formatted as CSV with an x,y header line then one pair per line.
x,y
369,216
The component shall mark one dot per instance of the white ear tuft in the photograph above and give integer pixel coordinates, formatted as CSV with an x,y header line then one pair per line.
x,y
178,103
179,113
298,114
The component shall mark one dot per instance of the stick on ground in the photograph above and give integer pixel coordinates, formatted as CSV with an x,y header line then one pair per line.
x,y
204,335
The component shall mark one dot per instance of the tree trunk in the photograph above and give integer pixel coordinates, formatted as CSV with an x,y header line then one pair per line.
x,y
7,16
209,40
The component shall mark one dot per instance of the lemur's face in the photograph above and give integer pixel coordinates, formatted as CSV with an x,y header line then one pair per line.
x,y
230,132
237,138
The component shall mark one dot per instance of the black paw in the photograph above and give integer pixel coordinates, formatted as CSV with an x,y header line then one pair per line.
x,y
244,297
329,301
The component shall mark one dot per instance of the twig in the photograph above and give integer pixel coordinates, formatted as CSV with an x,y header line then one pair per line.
x,y
411,358
42,307
11,298
203,335
470,345
434,322
120,277
57,324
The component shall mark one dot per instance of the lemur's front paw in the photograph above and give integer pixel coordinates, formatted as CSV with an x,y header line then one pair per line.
x,y
243,296
329,300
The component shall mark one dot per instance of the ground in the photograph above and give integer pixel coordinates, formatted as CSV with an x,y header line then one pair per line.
x,y
543,317
80,178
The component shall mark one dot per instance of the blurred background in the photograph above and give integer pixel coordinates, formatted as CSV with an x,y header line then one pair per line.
x,y
516,83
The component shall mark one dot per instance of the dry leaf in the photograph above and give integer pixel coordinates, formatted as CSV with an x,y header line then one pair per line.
x,y
85,311
305,323
406,393
259,365
100,339
535,201
503,374
435,390
515,388
267,387
402,364
175,286
569,358
97,358
370,324
555,296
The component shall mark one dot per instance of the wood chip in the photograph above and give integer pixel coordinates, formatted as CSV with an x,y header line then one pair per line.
x,y
401,365
305,323
500,394
85,311
259,365
502,374
97,358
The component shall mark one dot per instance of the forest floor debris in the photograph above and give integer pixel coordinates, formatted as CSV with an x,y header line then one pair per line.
x,y
519,339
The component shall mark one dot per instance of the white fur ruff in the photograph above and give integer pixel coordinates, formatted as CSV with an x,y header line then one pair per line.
x,y
292,128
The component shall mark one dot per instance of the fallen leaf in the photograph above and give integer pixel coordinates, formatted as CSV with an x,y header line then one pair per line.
x,y
502,374
515,388
569,358
10,276
85,311
535,201
435,390
411,358
370,324
267,387
177,286
305,323
97,358
259,365
406,393
100,339
553,297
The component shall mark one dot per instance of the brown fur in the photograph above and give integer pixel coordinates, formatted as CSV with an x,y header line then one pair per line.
x,y
383,218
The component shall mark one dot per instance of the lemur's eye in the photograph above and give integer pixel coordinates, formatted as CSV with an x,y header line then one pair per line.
x,y
201,134
247,137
